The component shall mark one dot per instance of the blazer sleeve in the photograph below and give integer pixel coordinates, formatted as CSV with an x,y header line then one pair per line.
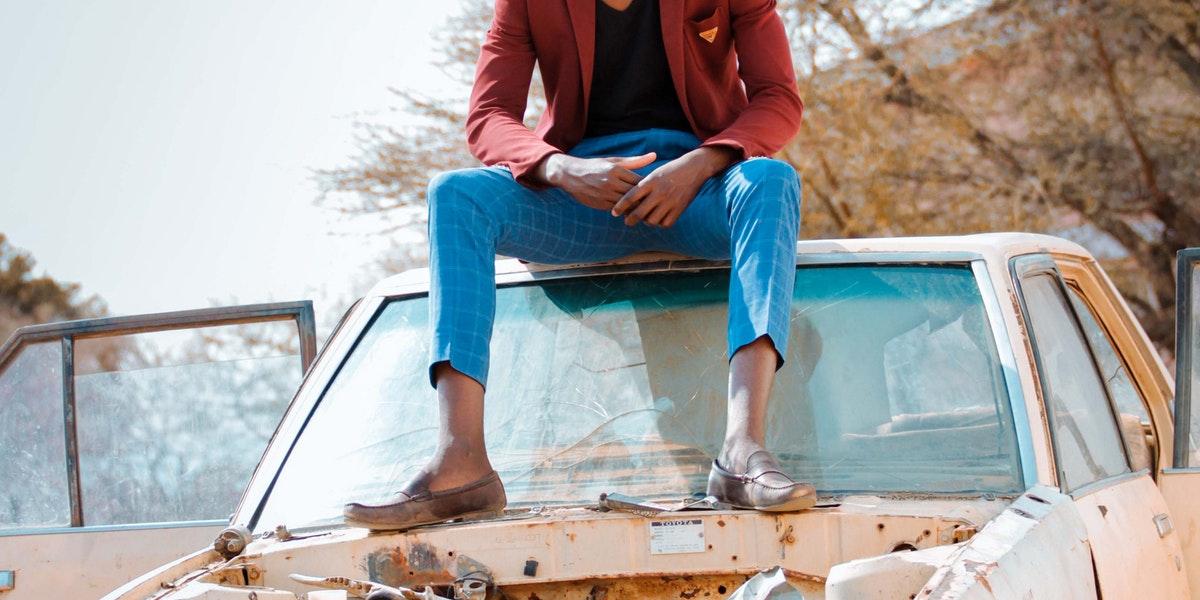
x,y
773,114
496,132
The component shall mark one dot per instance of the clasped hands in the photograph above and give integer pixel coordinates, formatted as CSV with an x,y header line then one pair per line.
x,y
610,183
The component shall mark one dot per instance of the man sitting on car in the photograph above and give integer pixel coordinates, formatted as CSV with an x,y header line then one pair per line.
x,y
660,117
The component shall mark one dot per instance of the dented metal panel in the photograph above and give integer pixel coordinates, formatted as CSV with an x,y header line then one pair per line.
x,y
1132,559
893,575
1036,548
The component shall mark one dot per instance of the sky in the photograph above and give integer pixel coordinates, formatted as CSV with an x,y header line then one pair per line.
x,y
160,152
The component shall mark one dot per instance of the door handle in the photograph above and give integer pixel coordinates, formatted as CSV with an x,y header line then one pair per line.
x,y
1164,525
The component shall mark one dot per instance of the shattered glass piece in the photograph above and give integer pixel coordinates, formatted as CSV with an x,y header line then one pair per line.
x,y
629,504
771,584
618,502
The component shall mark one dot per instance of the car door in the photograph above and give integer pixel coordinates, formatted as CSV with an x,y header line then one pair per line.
x,y
1120,506
125,442
1180,479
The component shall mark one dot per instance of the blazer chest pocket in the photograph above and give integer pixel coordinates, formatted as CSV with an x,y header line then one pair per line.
x,y
710,37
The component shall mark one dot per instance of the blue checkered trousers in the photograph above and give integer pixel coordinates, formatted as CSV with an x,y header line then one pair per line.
x,y
748,213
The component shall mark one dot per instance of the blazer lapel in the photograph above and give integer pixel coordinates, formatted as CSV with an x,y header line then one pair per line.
x,y
583,22
671,13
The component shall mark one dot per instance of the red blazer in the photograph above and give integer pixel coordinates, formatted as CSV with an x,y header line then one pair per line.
x,y
755,110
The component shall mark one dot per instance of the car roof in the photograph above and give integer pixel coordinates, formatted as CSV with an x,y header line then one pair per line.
x,y
989,246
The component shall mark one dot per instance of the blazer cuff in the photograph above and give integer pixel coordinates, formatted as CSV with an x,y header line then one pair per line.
x,y
726,142
524,170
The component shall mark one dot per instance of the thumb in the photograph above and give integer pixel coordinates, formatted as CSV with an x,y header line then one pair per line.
x,y
634,162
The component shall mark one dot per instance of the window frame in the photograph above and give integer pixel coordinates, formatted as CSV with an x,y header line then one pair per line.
x,y
1073,286
67,333
357,321
1022,268
1186,263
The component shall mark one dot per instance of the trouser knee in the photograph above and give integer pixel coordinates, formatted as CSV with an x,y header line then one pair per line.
x,y
773,191
453,196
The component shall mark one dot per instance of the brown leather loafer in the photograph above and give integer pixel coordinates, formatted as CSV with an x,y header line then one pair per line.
x,y
417,505
764,486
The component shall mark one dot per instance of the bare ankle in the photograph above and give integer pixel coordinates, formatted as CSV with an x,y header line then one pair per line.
x,y
457,465
736,452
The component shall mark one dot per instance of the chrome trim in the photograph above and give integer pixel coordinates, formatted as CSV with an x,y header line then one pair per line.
x,y
300,311
59,530
1184,347
693,264
1103,484
1008,365
71,431
1180,470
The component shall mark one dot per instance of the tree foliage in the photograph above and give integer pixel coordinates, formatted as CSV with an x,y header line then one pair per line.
x,y
1076,118
26,298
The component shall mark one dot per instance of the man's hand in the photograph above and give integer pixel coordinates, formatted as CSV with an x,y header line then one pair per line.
x,y
594,182
663,195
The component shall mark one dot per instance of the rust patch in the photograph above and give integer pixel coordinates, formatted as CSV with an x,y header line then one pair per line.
x,y
422,564
788,537
981,571
971,568
797,575
698,587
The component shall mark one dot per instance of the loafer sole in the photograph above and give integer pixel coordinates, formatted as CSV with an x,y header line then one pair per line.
x,y
478,515
793,505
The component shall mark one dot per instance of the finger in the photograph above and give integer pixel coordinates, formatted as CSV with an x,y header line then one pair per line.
x,y
597,199
630,199
626,175
618,186
605,199
638,214
658,216
634,162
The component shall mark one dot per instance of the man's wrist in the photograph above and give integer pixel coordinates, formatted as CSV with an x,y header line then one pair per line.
x,y
550,168
714,159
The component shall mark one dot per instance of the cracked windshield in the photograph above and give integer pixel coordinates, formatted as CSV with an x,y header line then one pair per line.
x,y
618,383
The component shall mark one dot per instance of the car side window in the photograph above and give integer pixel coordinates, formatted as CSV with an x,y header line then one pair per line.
x,y
171,424
33,472
1131,408
1087,440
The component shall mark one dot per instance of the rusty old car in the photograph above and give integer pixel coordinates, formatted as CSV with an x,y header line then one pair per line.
x,y
983,417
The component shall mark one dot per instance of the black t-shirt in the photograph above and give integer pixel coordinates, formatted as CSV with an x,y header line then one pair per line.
x,y
631,81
